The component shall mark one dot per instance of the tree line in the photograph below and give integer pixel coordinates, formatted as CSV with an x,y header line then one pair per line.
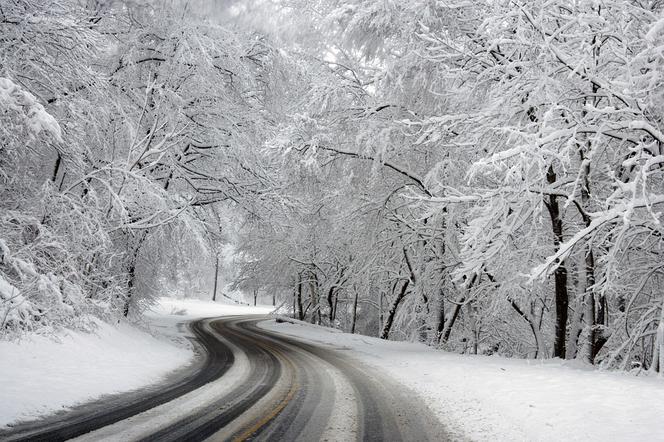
x,y
482,176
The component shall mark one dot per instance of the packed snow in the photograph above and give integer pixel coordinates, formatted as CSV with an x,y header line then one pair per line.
x,y
42,375
494,398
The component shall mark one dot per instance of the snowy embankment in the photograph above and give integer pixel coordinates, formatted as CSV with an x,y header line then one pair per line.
x,y
494,398
42,375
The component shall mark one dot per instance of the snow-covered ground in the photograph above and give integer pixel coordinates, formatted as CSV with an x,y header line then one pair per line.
x,y
492,398
194,309
39,375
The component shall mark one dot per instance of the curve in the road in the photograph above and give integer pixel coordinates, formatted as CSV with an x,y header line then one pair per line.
x,y
265,372
291,390
386,411
81,420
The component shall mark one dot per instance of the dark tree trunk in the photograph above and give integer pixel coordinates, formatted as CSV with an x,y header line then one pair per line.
x,y
560,274
298,298
216,278
332,295
131,272
391,312
562,305
380,310
595,310
447,331
425,325
315,299
56,168
331,303
62,181
441,316
354,317
336,303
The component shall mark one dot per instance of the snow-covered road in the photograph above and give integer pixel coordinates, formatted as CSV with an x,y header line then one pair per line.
x,y
289,379
259,385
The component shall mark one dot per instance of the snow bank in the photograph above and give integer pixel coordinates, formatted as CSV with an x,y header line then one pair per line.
x,y
494,398
40,376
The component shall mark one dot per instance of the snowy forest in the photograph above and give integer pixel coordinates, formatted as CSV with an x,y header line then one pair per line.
x,y
486,176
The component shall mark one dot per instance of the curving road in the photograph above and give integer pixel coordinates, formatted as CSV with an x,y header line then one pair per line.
x,y
253,384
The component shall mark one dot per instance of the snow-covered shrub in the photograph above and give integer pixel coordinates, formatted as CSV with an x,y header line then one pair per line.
x,y
48,240
44,281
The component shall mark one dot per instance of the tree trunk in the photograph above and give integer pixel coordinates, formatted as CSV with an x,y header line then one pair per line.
x,y
440,325
560,274
574,344
216,277
255,297
425,324
330,304
332,294
313,295
391,312
540,351
475,327
380,309
131,273
354,317
658,346
447,330
298,298
56,167
336,308
595,316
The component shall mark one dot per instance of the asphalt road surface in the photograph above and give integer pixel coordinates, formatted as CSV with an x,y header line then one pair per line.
x,y
251,384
